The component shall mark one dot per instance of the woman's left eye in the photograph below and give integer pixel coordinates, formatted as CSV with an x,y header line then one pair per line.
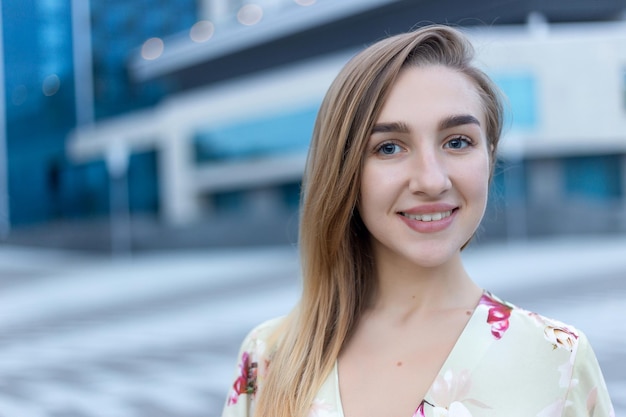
x,y
459,142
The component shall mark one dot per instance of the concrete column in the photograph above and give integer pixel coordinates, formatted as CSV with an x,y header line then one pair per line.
x,y
516,205
546,183
179,200
264,202
623,205
213,10
117,158
545,196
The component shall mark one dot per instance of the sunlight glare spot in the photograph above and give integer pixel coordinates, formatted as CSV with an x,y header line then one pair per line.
x,y
202,31
250,14
152,48
51,85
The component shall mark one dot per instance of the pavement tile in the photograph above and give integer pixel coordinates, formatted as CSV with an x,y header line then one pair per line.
x,y
168,346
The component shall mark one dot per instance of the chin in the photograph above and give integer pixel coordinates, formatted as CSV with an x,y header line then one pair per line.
x,y
431,262
431,257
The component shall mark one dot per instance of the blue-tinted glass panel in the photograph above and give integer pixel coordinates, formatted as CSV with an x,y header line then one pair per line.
x,y
40,106
228,201
593,177
143,187
281,133
521,93
509,182
291,194
120,26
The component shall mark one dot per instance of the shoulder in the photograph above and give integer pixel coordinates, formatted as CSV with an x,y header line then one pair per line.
x,y
258,346
536,339
254,358
506,318
257,340
552,359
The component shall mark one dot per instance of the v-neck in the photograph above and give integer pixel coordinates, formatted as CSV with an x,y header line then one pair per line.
x,y
466,348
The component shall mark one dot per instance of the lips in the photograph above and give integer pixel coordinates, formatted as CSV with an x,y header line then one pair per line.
x,y
429,218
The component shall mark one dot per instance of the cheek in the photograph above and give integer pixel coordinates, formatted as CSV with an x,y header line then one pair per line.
x,y
376,186
476,183
367,191
471,176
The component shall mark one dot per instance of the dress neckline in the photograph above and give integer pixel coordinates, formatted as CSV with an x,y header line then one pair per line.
x,y
469,332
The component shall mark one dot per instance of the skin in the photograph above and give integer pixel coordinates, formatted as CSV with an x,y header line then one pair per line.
x,y
427,154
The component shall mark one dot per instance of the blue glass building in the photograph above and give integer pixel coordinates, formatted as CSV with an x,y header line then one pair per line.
x,y
46,185
43,184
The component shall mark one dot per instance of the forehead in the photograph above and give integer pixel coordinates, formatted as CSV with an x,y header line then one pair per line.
x,y
430,94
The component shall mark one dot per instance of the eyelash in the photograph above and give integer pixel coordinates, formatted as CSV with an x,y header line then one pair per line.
x,y
378,149
464,139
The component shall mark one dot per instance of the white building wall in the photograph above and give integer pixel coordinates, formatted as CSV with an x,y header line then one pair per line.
x,y
579,71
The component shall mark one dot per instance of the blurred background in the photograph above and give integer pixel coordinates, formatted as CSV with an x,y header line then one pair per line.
x,y
151,153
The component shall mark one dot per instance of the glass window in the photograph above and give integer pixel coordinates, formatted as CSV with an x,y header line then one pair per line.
x,y
521,95
624,88
593,177
228,201
281,133
509,183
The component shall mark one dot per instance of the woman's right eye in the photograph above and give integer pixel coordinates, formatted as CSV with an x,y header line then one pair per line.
x,y
388,148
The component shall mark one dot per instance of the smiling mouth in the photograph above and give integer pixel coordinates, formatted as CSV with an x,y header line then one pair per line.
x,y
428,217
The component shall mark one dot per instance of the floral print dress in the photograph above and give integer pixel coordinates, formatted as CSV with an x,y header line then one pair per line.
x,y
508,362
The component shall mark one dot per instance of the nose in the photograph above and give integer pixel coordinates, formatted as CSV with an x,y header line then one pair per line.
x,y
429,174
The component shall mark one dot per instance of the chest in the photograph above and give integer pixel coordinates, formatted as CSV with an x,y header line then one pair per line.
x,y
391,379
386,389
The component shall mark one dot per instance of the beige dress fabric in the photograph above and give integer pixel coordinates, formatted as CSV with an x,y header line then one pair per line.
x,y
508,362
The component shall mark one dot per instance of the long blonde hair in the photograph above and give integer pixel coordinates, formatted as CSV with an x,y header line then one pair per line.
x,y
337,264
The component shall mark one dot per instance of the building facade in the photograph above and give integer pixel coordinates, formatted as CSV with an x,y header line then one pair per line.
x,y
204,108
240,145
65,66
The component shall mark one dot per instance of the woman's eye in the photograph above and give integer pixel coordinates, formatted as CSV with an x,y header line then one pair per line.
x,y
388,149
458,143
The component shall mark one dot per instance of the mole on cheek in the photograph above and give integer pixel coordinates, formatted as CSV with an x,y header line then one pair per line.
x,y
399,363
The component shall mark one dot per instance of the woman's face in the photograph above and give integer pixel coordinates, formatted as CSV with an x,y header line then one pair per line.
x,y
426,169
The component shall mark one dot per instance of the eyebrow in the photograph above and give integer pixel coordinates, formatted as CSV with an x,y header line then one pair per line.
x,y
447,123
394,127
458,120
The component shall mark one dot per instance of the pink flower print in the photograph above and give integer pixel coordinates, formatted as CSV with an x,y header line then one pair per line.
x,y
420,410
499,314
553,410
561,337
450,395
566,370
321,408
246,381
456,409
592,400
451,387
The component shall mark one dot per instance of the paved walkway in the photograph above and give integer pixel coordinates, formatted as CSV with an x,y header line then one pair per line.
x,y
156,335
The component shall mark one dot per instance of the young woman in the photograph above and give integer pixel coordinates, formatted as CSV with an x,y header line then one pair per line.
x,y
390,323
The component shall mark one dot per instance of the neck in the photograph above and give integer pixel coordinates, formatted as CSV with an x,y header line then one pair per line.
x,y
404,288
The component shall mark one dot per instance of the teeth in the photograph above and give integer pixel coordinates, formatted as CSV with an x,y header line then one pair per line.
x,y
429,217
